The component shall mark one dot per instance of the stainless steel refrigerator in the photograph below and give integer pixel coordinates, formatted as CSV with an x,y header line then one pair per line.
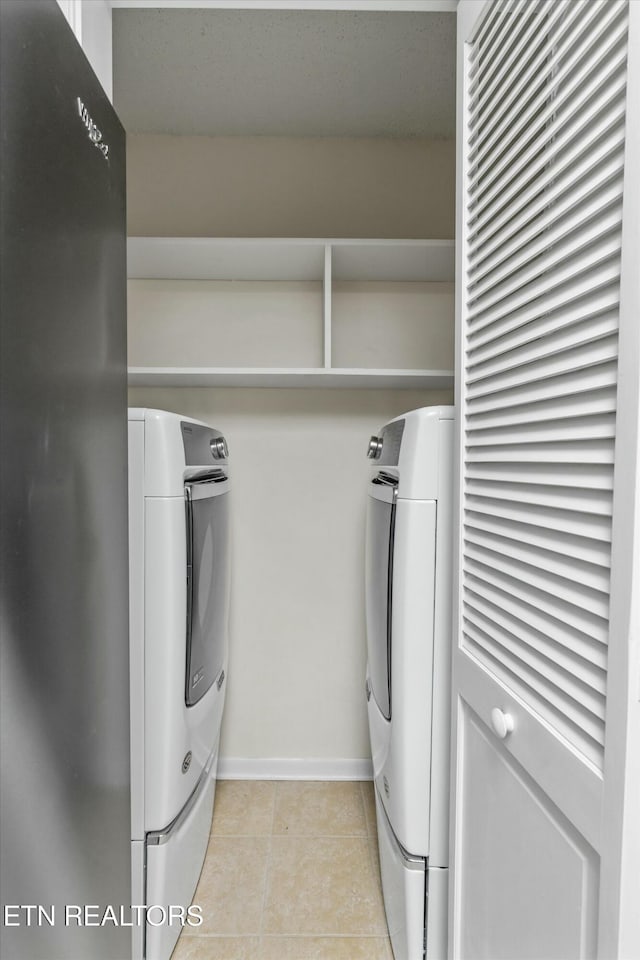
x,y
65,800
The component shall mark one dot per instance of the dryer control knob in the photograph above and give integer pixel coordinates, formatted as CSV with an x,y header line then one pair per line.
x,y
219,449
374,449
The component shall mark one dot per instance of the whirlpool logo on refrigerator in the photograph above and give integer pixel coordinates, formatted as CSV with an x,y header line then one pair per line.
x,y
95,135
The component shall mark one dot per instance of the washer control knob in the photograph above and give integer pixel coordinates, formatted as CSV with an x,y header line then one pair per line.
x,y
375,448
219,449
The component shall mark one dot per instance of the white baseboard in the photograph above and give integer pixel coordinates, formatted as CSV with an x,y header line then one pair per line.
x,y
293,768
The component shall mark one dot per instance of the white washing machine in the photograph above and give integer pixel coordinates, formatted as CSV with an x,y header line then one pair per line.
x,y
408,609
179,603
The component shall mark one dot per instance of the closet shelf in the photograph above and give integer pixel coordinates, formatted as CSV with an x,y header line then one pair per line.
x,y
326,262
312,377
214,258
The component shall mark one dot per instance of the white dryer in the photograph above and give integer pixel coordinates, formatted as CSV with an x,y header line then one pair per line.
x,y
179,603
408,613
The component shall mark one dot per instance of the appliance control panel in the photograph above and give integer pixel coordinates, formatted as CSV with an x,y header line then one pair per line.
x,y
385,447
202,444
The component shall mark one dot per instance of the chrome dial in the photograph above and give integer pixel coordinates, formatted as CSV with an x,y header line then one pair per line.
x,y
219,449
374,449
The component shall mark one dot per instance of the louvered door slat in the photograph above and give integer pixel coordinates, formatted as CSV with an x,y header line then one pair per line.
x,y
501,586
561,407
569,385
553,583
571,685
549,365
503,554
576,501
589,451
593,131
588,476
562,245
519,179
544,341
578,654
561,271
502,105
555,523
515,339
579,294
571,57
513,172
545,166
597,196
504,234
576,645
596,60
560,431
583,714
521,47
488,40
575,556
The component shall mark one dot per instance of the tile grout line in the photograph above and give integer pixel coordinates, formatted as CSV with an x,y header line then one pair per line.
x,y
295,836
364,811
370,835
315,936
288,936
267,874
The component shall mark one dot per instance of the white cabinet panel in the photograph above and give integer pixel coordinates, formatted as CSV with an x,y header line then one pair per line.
x,y
510,828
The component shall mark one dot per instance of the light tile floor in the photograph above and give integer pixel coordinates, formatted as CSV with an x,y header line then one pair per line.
x,y
291,873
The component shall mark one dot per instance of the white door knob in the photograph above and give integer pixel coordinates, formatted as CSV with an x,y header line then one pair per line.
x,y
501,722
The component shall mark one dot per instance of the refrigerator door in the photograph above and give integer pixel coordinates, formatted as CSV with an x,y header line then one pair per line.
x,y
65,801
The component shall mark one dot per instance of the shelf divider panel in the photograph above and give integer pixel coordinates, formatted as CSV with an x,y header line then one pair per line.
x,y
326,305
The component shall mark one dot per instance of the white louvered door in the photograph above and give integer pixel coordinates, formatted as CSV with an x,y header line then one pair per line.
x,y
542,128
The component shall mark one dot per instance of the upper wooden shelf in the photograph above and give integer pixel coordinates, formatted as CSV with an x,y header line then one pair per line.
x,y
214,258
326,261
290,377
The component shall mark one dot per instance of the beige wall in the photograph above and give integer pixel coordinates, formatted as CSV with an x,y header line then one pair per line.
x,y
297,659
283,187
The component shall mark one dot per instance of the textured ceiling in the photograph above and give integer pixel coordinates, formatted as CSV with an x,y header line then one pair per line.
x,y
281,73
